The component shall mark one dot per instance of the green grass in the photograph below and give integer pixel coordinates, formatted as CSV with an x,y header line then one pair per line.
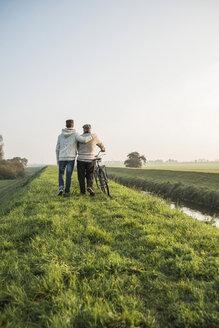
x,y
129,261
200,188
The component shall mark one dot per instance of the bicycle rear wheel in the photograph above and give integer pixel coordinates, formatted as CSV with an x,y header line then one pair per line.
x,y
97,180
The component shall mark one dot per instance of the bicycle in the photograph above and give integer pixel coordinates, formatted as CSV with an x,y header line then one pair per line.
x,y
100,175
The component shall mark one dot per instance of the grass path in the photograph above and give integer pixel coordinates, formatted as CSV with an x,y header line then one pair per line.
x,y
129,261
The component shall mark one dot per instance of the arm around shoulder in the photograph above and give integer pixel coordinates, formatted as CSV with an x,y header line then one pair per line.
x,y
83,139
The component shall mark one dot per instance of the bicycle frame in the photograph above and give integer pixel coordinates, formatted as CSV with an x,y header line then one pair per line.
x,y
100,175
97,160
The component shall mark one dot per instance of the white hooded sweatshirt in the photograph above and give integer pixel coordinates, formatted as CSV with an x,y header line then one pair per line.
x,y
66,148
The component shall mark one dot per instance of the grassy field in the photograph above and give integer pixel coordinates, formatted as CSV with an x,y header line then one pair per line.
x,y
4,183
180,166
203,167
201,188
129,261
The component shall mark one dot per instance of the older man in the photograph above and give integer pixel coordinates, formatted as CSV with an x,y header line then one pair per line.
x,y
66,150
85,163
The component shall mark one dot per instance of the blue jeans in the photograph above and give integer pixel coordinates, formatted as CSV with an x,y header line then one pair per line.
x,y
69,165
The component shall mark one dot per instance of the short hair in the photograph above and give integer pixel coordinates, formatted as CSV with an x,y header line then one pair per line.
x,y
69,123
87,127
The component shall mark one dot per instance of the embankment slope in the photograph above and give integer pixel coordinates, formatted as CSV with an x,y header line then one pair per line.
x,y
10,189
199,188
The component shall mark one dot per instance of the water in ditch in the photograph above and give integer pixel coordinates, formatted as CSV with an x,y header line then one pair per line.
x,y
201,214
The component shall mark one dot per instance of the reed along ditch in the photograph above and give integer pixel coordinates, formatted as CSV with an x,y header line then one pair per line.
x,y
194,193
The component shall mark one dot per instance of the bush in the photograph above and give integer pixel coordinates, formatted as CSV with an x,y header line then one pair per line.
x,y
11,170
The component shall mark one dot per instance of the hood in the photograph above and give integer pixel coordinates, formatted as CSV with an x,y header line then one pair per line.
x,y
67,132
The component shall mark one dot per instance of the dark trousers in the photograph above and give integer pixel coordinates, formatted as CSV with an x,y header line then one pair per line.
x,y
85,170
69,165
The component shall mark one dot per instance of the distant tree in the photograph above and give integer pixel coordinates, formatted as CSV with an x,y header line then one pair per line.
x,y
157,161
1,147
171,161
23,161
135,160
12,168
202,160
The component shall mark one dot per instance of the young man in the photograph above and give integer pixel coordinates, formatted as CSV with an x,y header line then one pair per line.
x,y
85,163
66,150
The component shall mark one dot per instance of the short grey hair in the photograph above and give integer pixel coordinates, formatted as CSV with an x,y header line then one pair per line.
x,y
87,127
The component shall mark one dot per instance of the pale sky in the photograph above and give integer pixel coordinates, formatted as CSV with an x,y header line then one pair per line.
x,y
144,74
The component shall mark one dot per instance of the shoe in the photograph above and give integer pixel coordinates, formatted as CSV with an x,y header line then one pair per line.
x,y
60,193
90,190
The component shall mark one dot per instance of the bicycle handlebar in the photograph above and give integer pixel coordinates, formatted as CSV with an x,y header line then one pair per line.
x,y
99,154
97,157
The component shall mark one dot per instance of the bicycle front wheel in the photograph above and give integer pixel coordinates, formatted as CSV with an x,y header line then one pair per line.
x,y
102,180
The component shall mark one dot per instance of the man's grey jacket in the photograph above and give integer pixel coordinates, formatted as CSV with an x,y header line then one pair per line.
x,y
66,148
86,152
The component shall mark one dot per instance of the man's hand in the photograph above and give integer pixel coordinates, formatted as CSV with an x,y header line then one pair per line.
x,y
58,163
